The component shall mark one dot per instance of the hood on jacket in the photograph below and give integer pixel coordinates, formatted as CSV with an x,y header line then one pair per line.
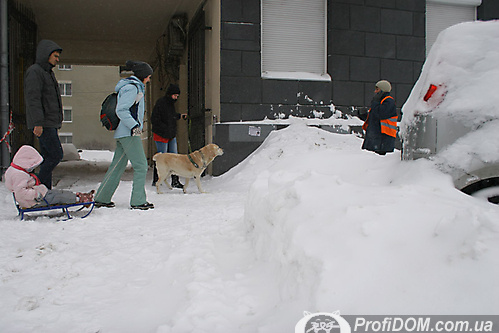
x,y
27,158
45,49
129,80
172,90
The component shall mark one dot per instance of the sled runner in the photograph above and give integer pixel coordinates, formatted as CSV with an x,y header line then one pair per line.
x,y
66,209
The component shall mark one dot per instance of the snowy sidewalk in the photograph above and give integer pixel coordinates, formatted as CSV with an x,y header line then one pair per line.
x,y
180,258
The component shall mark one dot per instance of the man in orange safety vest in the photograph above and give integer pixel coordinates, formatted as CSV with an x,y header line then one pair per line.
x,y
381,124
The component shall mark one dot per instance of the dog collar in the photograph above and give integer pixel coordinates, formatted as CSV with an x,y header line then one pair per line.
x,y
194,163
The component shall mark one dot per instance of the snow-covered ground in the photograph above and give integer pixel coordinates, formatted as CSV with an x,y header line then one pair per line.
x,y
308,222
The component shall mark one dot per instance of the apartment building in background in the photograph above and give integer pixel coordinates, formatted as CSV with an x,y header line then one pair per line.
x,y
83,88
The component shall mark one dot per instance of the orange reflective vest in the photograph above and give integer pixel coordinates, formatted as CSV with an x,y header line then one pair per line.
x,y
388,126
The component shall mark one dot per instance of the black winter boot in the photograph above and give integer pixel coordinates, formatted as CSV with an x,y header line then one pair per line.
x,y
176,183
154,175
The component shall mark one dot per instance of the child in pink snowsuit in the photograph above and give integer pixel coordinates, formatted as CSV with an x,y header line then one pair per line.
x,y
27,188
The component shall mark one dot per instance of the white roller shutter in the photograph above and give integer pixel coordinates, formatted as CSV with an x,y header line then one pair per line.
x,y
294,39
441,14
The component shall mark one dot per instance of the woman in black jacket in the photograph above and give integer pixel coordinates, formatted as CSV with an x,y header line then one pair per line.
x,y
164,127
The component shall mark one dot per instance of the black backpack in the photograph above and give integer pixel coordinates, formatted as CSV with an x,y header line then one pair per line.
x,y
108,116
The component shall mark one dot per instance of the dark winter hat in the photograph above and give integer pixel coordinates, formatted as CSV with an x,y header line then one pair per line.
x,y
384,85
172,90
139,68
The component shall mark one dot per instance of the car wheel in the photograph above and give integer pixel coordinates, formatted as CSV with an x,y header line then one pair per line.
x,y
487,189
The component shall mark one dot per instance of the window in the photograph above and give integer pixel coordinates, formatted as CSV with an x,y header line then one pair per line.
x,y
66,137
67,113
65,88
65,67
441,14
294,39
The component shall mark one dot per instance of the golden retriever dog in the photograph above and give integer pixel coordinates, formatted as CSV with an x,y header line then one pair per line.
x,y
188,166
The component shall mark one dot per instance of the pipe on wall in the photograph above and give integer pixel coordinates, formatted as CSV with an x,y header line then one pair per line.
x,y
4,83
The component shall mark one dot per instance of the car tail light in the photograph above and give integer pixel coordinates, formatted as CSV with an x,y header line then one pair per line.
x,y
430,92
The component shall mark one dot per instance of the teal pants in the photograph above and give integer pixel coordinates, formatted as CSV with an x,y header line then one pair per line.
x,y
127,149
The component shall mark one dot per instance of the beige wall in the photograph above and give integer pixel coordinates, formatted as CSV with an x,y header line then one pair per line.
x,y
212,75
90,86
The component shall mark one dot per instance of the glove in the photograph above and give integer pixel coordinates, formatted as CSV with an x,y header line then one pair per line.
x,y
39,197
376,98
136,131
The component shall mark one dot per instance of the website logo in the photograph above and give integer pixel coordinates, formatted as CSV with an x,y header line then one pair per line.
x,y
322,322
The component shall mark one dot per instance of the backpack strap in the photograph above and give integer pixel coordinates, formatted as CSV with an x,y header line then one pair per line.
x,y
134,108
139,95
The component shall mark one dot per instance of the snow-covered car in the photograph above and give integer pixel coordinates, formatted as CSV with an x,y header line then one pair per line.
x,y
452,113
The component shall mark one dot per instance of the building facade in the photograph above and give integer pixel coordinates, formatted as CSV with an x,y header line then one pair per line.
x,y
83,89
365,41
241,61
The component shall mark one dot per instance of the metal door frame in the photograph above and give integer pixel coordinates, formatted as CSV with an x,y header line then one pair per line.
x,y
196,80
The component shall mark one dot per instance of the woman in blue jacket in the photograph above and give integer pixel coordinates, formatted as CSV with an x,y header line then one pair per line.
x,y
130,109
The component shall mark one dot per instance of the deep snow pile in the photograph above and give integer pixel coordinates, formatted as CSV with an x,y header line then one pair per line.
x,y
351,229
307,222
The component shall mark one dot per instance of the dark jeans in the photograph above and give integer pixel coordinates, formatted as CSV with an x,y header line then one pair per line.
x,y
164,147
51,151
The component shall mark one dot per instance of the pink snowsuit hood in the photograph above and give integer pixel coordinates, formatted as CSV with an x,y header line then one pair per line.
x,y
21,182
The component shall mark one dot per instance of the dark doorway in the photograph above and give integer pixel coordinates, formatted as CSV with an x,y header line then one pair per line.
x,y
22,53
196,72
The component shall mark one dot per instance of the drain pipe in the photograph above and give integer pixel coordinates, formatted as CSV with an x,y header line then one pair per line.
x,y
4,83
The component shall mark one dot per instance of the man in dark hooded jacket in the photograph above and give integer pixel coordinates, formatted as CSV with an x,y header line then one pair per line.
x,y
164,127
381,123
44,107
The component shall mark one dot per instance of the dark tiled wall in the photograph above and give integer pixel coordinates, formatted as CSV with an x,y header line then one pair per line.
x,y
368,40
488,10
372,40
244,94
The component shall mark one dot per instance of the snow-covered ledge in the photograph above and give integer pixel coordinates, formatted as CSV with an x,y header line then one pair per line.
x,y
300,76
